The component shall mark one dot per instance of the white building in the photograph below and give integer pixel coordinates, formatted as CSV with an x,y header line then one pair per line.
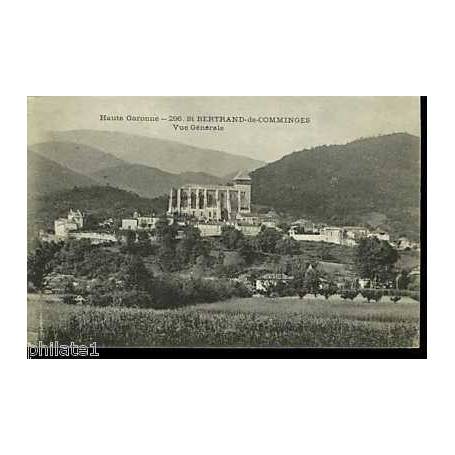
x,y
129,224
75,216
209,229
271,219
304,237
214,229
349,242
306,226
355,232
328,234
142,222
73,222
265,282
249,229
333,235
248,218
147,222
405,244
94,237
380,235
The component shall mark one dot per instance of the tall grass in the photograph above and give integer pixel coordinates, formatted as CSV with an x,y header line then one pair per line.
x,y
187,327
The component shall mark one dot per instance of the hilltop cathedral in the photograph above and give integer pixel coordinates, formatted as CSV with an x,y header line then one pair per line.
x,y
213,202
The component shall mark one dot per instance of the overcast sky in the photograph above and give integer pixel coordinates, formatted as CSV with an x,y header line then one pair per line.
x,y
334,120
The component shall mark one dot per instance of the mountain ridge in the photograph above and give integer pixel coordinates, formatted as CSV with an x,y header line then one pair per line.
x,y
167,155
147,181
345,183
105,170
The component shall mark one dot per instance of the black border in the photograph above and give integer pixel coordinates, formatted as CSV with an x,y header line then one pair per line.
x,y
312,353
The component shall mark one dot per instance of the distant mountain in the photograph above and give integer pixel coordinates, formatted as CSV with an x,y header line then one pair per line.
x,y
373,180
46,176
82,165
202,178
169,156
77,157
148,181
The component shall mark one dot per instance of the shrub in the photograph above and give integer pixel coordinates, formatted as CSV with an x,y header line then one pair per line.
x,y
283,289
69,299
372,294
172,292
133,299
326,293
350,294
302,291
97,298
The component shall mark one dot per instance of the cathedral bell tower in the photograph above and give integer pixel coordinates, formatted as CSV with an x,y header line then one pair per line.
x,y
242,183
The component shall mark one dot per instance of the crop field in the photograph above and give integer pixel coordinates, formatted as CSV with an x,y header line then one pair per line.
x,y
310,322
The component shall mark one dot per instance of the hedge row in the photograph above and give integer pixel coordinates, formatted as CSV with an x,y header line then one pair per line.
x,y
166,292
350,294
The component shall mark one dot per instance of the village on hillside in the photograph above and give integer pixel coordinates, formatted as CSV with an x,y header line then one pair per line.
x,y
215,209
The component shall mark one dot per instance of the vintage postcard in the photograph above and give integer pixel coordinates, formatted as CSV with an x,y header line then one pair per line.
x,y
209,226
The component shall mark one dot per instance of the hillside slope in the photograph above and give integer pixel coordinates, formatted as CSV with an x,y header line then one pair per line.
x,y
77,157
46,176
147,181
169,156
369,178
102,169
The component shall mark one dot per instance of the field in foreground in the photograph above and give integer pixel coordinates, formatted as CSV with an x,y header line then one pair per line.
x,y
239,322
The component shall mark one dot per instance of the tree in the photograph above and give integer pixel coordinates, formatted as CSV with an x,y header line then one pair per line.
x,y
299,285
329,289
267,239
130,240
246,249
144,245
403,279
231,238
143,236
167,257
91,222
39,263
68,293
375,259
90,261
165,232
284,226
233,263
202,264
135,275
298,266
166,235
191,246
312,281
